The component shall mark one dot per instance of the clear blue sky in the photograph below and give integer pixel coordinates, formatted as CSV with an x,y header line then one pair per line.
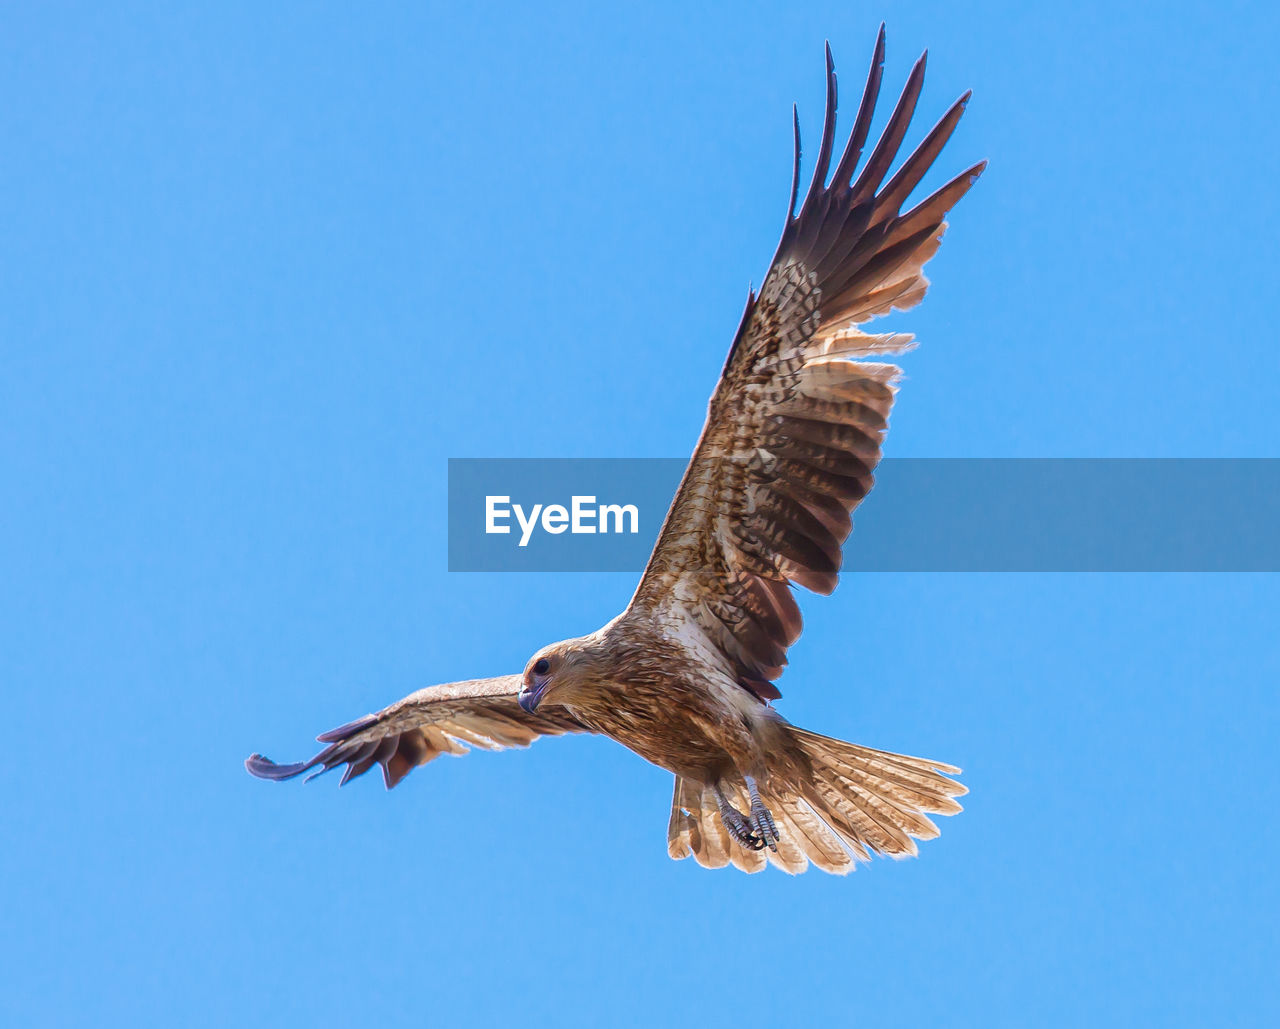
x,y
265,269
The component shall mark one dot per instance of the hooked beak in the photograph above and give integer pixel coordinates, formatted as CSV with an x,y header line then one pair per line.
x,y
529,697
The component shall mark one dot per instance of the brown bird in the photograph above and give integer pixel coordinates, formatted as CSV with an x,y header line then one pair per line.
x,y
685,675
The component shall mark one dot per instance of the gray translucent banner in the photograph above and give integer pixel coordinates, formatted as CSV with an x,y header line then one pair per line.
x,y
924,515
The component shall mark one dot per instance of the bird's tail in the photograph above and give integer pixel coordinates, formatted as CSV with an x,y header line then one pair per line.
x,y
854,803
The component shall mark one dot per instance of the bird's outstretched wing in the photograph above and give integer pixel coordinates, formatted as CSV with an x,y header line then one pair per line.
x,y
795,426
437,720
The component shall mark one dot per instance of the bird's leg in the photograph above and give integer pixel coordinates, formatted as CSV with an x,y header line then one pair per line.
x,y
761,821
737,824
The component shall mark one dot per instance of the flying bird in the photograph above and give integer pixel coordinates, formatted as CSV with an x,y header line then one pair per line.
x,y
685,676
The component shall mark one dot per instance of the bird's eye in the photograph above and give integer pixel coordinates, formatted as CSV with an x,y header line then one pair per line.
x,y
541,667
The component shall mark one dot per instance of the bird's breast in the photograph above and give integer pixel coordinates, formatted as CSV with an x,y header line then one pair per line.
x,y
689,728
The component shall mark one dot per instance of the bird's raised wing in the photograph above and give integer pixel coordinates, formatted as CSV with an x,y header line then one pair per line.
x,y
795,425
437,720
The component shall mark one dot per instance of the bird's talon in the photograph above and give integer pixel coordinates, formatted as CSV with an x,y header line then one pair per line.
x,y
754,831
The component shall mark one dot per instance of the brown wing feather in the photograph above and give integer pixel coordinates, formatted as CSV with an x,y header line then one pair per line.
x,y
437,720
795,427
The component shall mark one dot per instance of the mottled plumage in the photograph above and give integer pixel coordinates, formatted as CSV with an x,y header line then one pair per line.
x,y
685,676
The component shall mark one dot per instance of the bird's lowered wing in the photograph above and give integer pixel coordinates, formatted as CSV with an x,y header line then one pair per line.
x,y
437,720
795,426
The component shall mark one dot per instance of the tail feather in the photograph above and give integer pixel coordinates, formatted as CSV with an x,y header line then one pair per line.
x,y
857,802
881,801
908,789
883,798
904,786
716,843
799,827
684,838
792,854
851,814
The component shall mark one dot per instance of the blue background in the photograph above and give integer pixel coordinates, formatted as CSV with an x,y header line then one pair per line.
x,y
265,269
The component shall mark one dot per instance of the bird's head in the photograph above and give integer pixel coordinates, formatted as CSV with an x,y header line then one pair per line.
x,y
554,673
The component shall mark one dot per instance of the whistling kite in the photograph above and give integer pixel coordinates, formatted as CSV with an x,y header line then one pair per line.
x,y
685,675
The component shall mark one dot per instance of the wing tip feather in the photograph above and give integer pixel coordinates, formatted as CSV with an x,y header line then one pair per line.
x,y
343,732
264,768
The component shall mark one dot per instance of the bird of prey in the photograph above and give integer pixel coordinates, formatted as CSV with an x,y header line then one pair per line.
x,y
685,676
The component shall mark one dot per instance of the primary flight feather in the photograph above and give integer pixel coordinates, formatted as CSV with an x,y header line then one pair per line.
x,y
685,676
